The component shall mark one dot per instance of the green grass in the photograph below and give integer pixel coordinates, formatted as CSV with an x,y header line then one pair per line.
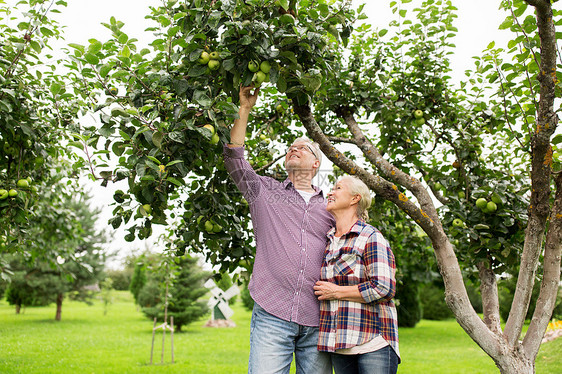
x,y
87,341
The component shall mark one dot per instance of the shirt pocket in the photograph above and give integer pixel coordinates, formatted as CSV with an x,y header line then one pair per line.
x,y
347,267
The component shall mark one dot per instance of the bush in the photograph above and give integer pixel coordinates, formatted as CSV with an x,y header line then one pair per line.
x,y
247,300
433,302
409,304
121,279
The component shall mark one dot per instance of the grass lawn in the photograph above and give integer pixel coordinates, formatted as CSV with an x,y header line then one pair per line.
x,y
87,341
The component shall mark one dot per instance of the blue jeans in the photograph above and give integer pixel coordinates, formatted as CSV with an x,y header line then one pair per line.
x,y
383,361
273,342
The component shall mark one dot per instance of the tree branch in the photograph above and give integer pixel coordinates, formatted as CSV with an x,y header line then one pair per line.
x,y
375,182
541,167
551,277
455,292
490,299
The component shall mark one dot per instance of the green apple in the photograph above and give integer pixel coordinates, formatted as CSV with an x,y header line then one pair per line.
x,y
215,139
263,137
259,77
214,65
481,203
265,67
214,55
461,195
23,183
491,206
29,180
204,58
457,222
418,113
217,227
279,108
209,226
253,66
147,208
13,193
210,127
3,194
438,186
420,121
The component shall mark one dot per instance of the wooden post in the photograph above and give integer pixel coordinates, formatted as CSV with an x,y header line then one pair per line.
x,y
153,332
172,336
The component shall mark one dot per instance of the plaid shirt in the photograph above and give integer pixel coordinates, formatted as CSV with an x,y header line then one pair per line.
x,y
366,260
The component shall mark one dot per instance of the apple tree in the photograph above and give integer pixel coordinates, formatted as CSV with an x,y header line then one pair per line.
x,y
37,109
456,157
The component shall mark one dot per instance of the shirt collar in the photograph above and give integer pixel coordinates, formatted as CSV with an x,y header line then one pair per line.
x,y
287,183
355,229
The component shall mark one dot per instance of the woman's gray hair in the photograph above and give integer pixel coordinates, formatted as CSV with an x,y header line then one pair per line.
x,y
358,187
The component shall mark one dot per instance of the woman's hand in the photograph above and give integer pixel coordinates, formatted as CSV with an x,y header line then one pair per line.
x,y
326,290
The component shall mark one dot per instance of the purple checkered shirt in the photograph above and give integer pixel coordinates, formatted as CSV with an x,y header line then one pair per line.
x,y
290,240
364,259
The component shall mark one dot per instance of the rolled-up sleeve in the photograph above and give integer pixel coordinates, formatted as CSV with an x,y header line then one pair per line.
x,y
380,270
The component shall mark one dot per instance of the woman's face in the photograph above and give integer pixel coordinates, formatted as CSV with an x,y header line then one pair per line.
x,y
341,198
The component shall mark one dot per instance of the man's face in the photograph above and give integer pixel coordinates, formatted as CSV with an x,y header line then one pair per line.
x,y
300,156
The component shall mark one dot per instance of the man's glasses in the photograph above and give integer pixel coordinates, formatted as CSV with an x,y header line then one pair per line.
x,y
301,148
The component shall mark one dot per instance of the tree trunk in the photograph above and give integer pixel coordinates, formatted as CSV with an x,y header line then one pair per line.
x,y
59,307
18,308
490,299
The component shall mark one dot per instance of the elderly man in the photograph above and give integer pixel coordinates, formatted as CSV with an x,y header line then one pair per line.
x,y
290,223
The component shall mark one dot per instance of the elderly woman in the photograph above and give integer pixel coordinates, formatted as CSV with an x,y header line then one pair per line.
x,y
358,320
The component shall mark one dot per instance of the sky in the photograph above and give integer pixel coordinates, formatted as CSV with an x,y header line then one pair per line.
x,y
477,24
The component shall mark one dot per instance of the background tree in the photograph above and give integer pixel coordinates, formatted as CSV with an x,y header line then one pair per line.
x,y
37,112
80,261
183,278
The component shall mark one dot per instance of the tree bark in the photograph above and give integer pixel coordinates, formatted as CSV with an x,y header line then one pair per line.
x,y
490,299
551,277
541,164
59,307
18,308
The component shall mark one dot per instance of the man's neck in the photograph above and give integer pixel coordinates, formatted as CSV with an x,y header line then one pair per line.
x,y
302,180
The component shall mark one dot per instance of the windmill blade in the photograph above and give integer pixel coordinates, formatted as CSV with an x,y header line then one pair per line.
x,y
212,302
225,309
231,292
217,292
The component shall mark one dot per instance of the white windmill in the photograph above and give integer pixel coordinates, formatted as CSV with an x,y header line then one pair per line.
x,y
219,300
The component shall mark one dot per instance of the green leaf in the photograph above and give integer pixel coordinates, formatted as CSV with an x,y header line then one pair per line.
x,y
157,139
55,88
92,59
174,181
173,163
155,160
104,70
95,46
36,46
201,98
506,24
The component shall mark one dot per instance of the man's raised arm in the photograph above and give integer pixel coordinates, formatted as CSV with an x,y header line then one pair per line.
x,y
247,102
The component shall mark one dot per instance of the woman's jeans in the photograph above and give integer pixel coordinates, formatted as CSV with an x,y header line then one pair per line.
x,y
273,342
383,361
